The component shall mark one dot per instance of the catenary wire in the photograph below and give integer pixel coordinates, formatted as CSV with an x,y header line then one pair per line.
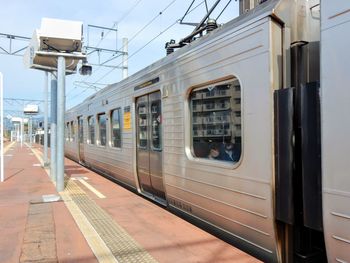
x,y
121,19
137,51
130,40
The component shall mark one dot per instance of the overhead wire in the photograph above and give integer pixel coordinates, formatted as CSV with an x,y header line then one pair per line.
x,y
162,32
130,40
148,23
223,10
137,33
115,24
206,5
137,51
121,19
128,12
151,21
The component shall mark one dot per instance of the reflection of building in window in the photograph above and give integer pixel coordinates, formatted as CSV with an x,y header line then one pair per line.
x,y
91,130
81,130
102,129
142,117
216,120
116,128
156,124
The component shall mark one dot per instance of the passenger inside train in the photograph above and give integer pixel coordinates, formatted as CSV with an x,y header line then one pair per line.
x,y
214,152
224,151
230,152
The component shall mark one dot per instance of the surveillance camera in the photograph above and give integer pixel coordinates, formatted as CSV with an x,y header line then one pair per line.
x,y
85,69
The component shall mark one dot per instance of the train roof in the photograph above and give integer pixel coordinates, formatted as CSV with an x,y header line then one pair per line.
x,y
278,9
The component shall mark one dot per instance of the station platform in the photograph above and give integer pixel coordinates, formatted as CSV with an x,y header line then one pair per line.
x,y
92,220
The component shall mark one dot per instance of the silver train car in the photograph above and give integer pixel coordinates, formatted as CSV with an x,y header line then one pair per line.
x,y
242,129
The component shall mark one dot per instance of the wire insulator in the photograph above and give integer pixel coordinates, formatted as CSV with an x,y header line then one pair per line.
x,y
211,25
169,50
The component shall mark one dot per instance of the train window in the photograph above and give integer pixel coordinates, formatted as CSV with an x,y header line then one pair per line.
x,y
81,129
67,132
142,111
216,121
116,128
91,130
101,118
72,131
156,123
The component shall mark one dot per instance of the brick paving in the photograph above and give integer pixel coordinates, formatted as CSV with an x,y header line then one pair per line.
x,y
31,227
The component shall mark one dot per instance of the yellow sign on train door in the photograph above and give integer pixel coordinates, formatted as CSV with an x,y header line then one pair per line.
x,y
127,120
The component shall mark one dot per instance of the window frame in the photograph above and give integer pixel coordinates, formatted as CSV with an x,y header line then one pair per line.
x,y
189,143
111,144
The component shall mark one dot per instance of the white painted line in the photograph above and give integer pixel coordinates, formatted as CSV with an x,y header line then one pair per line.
x,y
38,157
75,178
51,198
80,178
91,188
37,164
9,147
8,155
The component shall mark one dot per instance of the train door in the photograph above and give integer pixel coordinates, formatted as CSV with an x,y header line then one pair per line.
x,y
81,139
149,144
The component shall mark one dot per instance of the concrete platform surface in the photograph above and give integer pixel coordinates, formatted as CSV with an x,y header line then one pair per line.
x,y
95,220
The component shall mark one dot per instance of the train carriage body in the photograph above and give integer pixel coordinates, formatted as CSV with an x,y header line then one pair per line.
x,y
335,98
153,131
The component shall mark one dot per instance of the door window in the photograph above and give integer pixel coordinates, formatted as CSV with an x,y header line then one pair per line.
x,y
91,130
116,128
72,129
156,121
102,129
81,130
67,131
143,125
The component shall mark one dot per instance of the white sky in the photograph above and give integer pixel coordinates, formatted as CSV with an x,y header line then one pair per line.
x,y
21,17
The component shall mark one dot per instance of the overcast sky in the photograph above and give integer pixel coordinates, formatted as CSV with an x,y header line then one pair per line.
x,y
21,17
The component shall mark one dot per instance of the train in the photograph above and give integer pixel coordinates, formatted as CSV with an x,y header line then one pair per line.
x,y
242,130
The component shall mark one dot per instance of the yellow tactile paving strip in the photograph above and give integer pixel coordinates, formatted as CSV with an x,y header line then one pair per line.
x,y
109,241
121,244
8,147
99,248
